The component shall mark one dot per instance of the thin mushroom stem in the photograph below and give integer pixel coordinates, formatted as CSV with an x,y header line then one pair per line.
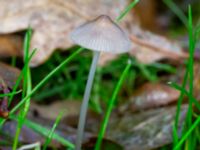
x,y
84,106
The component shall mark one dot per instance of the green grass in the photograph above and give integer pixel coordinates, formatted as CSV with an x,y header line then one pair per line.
x,y
111,105
45,132
172,5
50,135
26,89
26,99
126,10
188,139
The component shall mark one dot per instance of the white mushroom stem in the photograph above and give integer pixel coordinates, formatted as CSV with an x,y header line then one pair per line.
x,y
84,106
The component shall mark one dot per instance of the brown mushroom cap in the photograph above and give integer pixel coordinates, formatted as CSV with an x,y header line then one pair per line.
x,y
101,34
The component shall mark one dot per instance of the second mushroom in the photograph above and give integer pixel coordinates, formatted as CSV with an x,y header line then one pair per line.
x,y
99,35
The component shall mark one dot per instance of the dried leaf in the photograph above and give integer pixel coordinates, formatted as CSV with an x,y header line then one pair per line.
x,y
149,47
151,95
51,112
26,136
10,45
8,74
106,144
52,20
145,130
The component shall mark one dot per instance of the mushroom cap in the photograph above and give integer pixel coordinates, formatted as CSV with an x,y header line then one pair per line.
x,y
102,34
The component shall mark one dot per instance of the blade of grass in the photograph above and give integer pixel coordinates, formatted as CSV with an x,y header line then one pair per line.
x,y
49,138
146,72
176,10
165,67
45,132
10,94
178,109
27,86
181,89
111,106
13,61
188,122
19,79
130,6
187,134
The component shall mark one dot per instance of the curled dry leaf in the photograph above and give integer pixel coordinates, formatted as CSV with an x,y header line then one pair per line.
x,y
52,20
151,95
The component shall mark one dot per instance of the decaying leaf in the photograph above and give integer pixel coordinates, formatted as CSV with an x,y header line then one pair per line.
x,y
27,135
8,74
8,77
52,111
4,101
146,130
105,145
151,95
52,20
10,45
149,47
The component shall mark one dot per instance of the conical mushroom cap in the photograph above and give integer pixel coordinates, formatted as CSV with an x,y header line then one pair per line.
x,y
101,34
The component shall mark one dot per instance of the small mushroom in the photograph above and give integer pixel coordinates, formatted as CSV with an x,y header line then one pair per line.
x,y
100,35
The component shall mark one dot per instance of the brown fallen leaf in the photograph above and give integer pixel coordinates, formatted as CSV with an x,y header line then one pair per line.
x,y
8,77
8,74
27,135
151,95
51,112
4,101
10,45
150,47
146,130
53,20
106,144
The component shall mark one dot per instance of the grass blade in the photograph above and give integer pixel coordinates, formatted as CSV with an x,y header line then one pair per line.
x,y
110,107
130,6
177,11
48,140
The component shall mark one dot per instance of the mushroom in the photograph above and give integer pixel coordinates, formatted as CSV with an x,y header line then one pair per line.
x,y
100,35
